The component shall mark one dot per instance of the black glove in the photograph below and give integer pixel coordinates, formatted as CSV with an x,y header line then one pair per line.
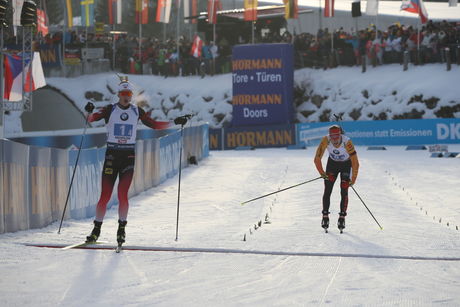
x,y
89,107
181,120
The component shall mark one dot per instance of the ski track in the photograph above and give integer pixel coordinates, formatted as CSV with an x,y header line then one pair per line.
x,y
211,217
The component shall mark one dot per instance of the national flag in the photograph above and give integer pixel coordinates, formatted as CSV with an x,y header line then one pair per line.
x,y
163,11
417,7
87,13
190,9
453,2
250,10
291,9
114,7
17,7
42,22
329,8
213,6
13,75
142,11
197,45
68,13
372,7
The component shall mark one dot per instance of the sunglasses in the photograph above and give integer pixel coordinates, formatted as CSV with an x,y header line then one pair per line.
x,y
126,93
334,136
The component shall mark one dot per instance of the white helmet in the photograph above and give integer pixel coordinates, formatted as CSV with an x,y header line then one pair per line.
x,y
125,86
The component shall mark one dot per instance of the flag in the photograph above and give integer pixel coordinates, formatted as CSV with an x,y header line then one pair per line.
x,y
372,7
114,11
356,9
163,11
197,45
190,9
142,11
213,6
329,8
17,7
291,9
119,10
68,13
250,10
13,75
87,13
41,22
453,2
417,7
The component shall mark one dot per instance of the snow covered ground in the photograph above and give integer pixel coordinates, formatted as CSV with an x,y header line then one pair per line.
x,y
413,261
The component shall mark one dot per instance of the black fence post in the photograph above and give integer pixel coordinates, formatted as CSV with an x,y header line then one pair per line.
x,y
363,64
406,60
448,60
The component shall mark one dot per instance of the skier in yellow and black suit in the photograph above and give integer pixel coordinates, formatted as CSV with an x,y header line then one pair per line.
x,y
342,159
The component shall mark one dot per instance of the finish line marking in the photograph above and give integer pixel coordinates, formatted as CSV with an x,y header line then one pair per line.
x,y
244,252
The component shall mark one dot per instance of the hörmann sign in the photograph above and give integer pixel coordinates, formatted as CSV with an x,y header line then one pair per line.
x,y
262,77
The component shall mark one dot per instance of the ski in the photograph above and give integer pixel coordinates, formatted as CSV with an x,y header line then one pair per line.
x,y
82,244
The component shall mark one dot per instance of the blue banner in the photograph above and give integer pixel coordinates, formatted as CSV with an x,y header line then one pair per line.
x,y
50,55
262,84
387,132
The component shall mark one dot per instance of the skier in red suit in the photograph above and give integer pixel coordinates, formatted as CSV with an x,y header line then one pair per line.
x,y
121,120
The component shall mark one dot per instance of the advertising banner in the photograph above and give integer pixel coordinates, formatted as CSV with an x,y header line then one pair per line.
x,y
216,138
259,136
262,84
387,132
50,55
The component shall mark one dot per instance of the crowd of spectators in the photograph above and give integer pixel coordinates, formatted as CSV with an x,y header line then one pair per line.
x,y
435,42
377,47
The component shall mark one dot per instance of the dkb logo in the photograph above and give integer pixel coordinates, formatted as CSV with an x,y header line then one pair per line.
x,y
448,131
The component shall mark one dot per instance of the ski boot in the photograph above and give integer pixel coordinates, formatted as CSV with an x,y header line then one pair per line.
x,y
92,238
341,221
121,232
120,235
325,221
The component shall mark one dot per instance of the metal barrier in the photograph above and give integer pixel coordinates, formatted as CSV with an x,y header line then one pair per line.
x,y
34,180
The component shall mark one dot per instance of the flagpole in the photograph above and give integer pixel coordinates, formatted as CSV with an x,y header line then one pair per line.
x,y
177,36
141,9
214,12
113,46
2,129
320,17
418,34
64,29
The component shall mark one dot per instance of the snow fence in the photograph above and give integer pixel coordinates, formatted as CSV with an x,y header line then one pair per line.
x,y
34,181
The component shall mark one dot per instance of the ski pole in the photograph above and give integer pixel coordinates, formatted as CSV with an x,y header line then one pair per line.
x,y
293,186
381,228
178,189
73,174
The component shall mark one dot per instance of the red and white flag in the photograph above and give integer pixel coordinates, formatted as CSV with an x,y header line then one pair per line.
x,y
114,11
163,11
417,7
196,47
213,7
42,22
329,8
190,9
